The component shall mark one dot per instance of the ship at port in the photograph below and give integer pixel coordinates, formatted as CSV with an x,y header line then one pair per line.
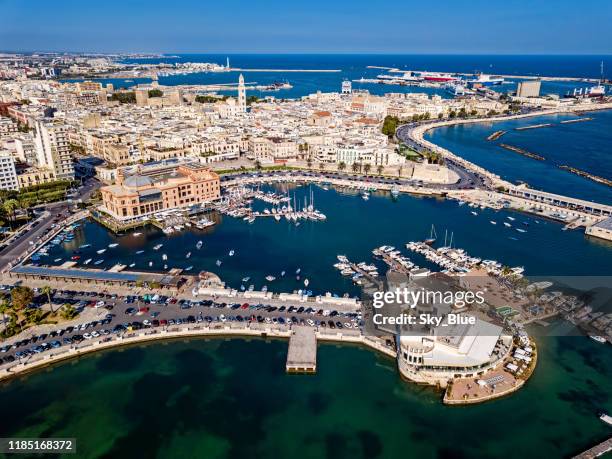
x,y
598,90
485,80
439,77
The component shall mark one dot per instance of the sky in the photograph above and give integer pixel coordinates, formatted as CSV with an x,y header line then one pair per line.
x,y
313,26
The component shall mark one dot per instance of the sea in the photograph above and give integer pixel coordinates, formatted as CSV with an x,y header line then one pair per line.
x,y
355,67
231,398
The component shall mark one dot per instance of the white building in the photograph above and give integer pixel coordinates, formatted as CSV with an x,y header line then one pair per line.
x,y
242,105
8,174
53,149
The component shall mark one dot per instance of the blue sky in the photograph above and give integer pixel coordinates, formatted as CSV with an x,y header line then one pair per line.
x,y
272,26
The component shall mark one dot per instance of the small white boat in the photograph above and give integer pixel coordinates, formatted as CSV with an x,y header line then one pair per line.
x,y
150,263
598,338
132,265
188,268
218,262
474,213
245,279
511,218
101,251
199,245
137,234
306,282
282,273
231,253
164,257
139,252
99,262
270,278
112,246
521,230
277,218
86,262
507,224
493,222
297,271
188,255
165,266
158,246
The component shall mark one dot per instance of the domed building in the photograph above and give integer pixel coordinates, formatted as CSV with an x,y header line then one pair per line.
x,y
154,187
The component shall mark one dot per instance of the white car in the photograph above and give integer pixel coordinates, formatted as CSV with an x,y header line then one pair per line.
x,y
222,318
146,323
311,322
87,336
95,334
100,304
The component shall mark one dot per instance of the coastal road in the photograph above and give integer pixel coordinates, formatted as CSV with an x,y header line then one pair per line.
x,y
56,211
467,178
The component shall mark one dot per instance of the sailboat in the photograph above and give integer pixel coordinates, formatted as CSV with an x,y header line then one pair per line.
x,y
432,236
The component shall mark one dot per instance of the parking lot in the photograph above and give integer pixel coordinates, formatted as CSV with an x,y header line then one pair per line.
x,y
125,314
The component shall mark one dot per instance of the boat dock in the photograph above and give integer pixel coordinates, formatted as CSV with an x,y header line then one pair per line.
x,y
302,353
597,450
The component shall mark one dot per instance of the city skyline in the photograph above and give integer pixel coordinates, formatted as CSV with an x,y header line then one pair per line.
x,y
462,27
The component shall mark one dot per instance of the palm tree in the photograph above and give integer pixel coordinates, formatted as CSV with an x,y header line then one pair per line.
x,y
4,308
380,169
341,166
309,163
399,171
366,168
355,167
9,206
322,166
257,164
46,290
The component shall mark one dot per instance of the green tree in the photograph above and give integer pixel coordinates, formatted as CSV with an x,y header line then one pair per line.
x,y
341,166
321,166
380,169
366,168
355,167
4,308
21,296
46,290
10,205
68,312
258,164
155,93
389,126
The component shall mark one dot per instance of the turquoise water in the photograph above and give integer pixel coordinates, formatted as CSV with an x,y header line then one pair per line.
x,y
353,227
232,399
586,145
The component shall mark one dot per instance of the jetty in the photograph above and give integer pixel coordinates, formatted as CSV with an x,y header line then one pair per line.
x,y
533,126
496,135
597,450
522,151
302,353
587,175
576,120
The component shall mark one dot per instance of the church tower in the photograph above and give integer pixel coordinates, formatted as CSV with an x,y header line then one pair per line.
x,y
241,95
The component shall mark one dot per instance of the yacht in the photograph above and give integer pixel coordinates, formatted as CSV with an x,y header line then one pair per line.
x,y
112,246
521,230
101,251
598,338
306,282
139,252
158,246
86,262
493,222
270,278
507,224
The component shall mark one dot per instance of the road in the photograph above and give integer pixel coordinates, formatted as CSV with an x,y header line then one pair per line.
x,y
56,211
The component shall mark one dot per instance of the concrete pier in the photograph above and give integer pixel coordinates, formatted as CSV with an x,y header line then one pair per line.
x,y
597,450
302,354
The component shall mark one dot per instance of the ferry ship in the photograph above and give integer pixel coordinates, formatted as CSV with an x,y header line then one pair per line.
x,y
436,76
486,80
